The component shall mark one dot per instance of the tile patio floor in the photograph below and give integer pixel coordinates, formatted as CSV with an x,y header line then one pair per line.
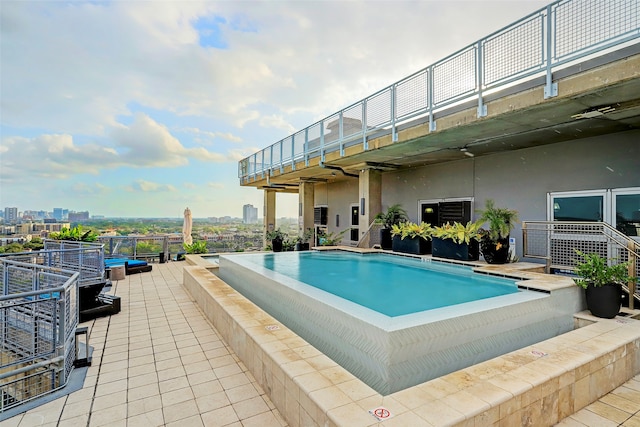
x,y
159,362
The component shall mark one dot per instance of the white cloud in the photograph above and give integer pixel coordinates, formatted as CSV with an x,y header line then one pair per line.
x,y
78,66
243,153
149,187
216,185
106,91
208,136
148,143
143,144
277,122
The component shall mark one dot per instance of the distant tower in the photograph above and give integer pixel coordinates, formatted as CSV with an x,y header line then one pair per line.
x,y
10,215
57,213
249,214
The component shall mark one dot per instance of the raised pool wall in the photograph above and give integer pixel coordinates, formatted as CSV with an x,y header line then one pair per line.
x,y
536,385
391,354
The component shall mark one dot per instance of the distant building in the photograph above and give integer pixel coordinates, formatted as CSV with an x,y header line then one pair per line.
x,y
78,216
48,227
10,215
57,213
249,214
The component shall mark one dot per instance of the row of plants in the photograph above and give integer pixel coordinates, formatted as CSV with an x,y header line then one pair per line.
x,y
282,242
451,240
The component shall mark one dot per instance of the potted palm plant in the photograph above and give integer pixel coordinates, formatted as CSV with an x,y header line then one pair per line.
x,y
456,241
394,215
602,280
302,242
412,238
277,237
494,242
332,238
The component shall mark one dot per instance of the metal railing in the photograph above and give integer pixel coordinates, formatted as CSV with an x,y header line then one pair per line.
x,y
556,242
371,237
38,319
531,48
87,258
142,247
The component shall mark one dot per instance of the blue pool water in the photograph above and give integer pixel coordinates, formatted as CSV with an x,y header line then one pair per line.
x,y
388,284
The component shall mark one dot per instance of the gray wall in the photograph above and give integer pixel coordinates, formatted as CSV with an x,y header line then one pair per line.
x,y
338,197
521,179
517,180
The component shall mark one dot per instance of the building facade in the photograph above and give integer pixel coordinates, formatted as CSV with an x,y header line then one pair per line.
x,y
10,215
555,140
249,214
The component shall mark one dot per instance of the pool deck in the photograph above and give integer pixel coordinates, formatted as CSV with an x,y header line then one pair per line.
x,y
160,362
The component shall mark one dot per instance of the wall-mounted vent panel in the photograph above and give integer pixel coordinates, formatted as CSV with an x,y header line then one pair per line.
x,y
320,215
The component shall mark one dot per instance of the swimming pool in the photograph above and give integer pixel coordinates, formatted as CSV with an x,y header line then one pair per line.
x,y
390,285
391,353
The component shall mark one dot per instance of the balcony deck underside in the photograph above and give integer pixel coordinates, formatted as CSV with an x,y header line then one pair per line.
x,y
516,121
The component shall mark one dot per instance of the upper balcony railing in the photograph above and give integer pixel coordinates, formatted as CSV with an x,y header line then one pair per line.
x,y
533,47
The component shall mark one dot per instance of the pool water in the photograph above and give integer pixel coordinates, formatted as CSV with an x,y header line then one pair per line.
x,y
391,285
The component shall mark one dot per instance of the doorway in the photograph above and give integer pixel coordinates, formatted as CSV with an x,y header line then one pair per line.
x,y
355,222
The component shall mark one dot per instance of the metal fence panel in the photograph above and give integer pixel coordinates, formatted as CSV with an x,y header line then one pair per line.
x,y
585,24
38,318
454,77
411,95
515,51
379,109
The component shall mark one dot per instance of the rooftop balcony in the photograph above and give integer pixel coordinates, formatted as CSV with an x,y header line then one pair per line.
x,y
537,81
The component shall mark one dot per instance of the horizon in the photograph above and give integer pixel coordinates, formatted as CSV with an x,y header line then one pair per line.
x,y
99,111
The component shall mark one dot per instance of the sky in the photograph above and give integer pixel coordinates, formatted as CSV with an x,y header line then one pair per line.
x,y
141,108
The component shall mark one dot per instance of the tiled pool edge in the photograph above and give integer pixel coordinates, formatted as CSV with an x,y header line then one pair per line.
x,y
541,384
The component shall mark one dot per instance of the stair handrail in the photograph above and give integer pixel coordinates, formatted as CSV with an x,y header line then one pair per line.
x,y
611,234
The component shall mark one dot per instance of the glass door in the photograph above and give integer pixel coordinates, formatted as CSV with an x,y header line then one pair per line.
x,y
625,207
355,221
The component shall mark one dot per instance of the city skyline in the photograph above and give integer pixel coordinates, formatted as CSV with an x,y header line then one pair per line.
x,y
139,109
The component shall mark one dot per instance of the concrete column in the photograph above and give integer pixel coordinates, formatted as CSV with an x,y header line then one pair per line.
x,y
269,210
370,191
306,200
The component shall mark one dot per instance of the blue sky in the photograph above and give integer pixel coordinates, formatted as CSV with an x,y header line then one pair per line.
x,y
142,108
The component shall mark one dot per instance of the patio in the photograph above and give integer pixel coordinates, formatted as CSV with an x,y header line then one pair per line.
x,y
160,362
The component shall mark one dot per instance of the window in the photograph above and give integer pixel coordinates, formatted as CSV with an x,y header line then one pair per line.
x,y
578,206
437,213
626,206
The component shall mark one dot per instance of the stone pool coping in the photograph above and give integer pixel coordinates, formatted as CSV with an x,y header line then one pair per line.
x,y
536,385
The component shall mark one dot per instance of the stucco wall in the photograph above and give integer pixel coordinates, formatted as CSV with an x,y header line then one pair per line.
x,y
518,179
339,197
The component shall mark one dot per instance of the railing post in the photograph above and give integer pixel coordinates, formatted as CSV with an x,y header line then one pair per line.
x,y
365,144
482,108
322,141
306,147
282,156
394,130
430,98
551,88
293,152
341,133
633,261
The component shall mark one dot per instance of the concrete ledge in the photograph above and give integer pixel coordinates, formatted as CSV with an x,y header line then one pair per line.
x,y
536,385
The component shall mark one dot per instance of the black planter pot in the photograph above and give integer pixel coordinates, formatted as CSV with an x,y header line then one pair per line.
x,y
447,248
492,254
276,245
604,301
411,245
302,247
386,241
